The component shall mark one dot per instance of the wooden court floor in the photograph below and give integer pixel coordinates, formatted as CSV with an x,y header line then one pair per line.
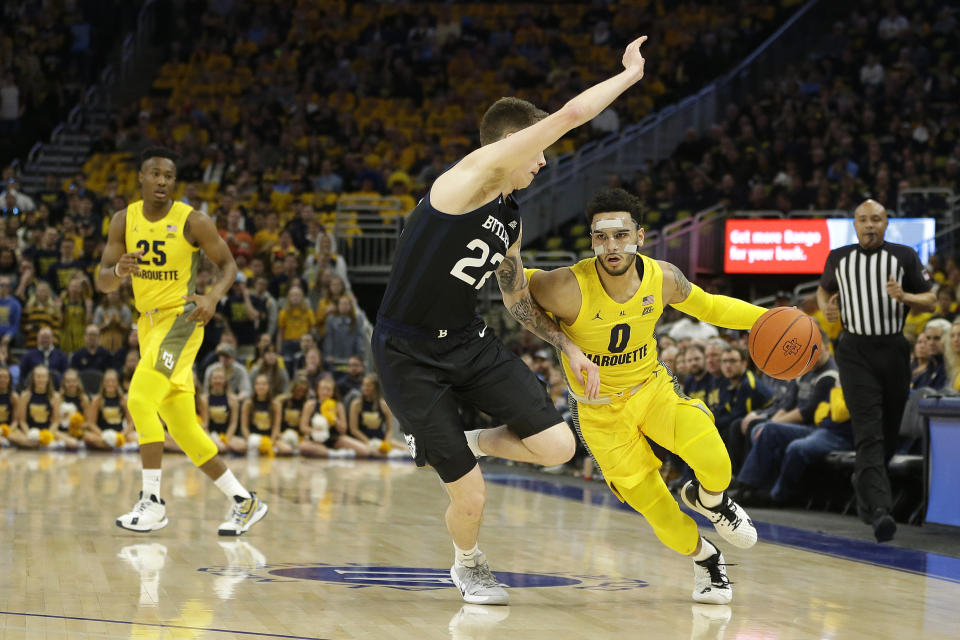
x,y
358,550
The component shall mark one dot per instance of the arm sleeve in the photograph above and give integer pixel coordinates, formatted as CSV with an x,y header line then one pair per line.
x,y
915,279
721,311
829,279
821,393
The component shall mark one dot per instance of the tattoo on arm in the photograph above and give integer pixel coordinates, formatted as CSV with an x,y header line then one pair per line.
x,y
510,275
534,319
680,283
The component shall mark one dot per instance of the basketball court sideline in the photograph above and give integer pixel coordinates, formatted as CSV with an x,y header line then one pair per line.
x,y
358,550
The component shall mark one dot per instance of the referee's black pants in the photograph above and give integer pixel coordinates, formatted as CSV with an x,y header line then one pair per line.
x,y
875,377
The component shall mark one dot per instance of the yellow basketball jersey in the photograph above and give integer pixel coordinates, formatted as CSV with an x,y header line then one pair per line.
x,y
618,337
168,266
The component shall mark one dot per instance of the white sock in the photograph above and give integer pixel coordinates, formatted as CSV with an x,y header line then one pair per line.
x,y
466,558
151,482
230,486
473,441
706,550
710,500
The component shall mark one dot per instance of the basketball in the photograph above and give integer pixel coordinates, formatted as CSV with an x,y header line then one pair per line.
x,y
785,343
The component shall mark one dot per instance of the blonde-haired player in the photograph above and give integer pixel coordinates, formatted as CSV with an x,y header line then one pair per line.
x,y
609,306
157,242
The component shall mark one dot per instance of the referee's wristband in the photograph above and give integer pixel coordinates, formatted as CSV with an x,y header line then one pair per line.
x,y
116,270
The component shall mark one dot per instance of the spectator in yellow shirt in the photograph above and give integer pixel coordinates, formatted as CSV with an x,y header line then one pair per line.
x,y
294,320
268,236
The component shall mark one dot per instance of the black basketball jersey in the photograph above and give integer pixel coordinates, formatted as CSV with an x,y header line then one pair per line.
x,y
443,261
39,411
219,411
111,413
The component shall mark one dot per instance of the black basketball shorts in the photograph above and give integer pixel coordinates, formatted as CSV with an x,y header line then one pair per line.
x,y
424,378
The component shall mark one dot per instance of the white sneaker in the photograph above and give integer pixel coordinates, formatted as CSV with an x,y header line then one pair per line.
x,y
711,585
477,585
243,515
728,518
149,514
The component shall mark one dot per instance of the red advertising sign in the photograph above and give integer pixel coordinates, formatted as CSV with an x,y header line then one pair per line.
x,y
779,245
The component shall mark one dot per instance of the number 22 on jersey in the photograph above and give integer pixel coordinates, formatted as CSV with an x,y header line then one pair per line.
x,y
476,261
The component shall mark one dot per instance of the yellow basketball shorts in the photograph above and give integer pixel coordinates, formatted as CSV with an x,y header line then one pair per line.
x,y
615,432
162,385
169,345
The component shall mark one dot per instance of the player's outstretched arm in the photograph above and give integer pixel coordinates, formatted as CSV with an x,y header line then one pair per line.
x,y
722,311
517,300
115,263
480,173
201,232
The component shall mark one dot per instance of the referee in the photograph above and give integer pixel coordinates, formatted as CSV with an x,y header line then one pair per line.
x,y
874,281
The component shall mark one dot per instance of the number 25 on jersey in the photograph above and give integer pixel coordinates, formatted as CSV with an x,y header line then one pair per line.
x,y
159,255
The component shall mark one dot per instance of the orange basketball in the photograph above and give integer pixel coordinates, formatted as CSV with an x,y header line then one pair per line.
x,y
785,343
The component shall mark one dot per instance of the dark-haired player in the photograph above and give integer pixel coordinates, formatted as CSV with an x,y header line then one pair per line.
x,y
157,242
433,351
608,306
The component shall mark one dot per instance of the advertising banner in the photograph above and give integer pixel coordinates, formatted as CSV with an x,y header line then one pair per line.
x,y
801,245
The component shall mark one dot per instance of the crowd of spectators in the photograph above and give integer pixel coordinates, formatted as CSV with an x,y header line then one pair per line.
x,y
292,101
50,52
869,112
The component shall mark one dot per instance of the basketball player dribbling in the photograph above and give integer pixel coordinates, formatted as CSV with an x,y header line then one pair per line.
x,y
157,242
608,306
432,350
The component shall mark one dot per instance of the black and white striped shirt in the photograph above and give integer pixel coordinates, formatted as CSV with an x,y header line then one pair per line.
x,y
861,275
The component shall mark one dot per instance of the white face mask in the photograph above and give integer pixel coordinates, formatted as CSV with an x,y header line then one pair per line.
x,y
620,237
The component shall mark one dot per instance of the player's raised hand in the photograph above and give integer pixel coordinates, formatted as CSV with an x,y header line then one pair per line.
x,y
204,311
580,364
128,263
632,58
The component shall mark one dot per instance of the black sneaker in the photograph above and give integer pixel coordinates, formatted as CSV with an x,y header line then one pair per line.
x,y
884,527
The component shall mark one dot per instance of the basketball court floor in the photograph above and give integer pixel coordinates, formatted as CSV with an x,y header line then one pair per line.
x,y
358,550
